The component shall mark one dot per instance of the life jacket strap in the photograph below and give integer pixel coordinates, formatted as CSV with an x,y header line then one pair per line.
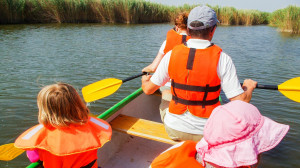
x,y
205,94
206,88
195,103
90,165
191,58
183,40
175,97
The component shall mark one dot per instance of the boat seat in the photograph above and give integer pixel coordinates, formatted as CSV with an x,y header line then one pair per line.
x,y
141,128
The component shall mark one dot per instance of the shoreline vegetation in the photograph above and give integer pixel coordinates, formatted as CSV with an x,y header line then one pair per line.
x,y
134,12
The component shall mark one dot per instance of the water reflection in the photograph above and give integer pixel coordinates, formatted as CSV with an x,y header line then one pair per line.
x,y
80,54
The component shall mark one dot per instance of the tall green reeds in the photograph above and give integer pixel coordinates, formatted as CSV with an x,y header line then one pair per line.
x,y
226,15
101,11
287,20
133,11
11,11
111,11
232,16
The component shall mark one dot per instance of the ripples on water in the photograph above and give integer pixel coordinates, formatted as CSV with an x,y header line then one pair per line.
x,y
36,55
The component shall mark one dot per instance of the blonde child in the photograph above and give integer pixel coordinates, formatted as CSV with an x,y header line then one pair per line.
x,y
66,135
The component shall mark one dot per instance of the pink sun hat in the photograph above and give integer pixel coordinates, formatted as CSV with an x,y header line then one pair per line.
x,y
236,133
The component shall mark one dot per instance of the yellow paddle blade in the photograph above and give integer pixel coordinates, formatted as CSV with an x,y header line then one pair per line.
x,y
9,152
100,89
291,89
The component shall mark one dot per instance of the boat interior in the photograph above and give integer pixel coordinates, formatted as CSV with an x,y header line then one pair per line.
x,y
128,151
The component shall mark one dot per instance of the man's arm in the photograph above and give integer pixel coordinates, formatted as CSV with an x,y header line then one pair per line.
x,y
230,83
248,87
148,86
159,78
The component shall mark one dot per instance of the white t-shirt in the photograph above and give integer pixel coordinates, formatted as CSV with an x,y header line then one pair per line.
x,y
230,84
162,47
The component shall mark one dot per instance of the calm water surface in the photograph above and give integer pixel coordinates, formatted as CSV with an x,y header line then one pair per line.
x,y
36,55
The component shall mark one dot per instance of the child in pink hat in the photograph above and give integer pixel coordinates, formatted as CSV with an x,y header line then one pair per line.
x,y
234,136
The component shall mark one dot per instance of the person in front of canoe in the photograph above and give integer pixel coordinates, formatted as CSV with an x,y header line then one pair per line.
x,y
235,135
175,36
198,70
66,135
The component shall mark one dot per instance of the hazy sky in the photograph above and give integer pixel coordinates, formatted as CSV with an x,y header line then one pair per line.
x,y
261,5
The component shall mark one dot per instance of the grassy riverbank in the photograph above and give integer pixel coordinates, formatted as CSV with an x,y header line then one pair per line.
x,y
133,11
78,11
110,11
232,16
287,20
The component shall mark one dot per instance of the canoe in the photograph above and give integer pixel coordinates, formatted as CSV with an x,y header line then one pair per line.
x,y
138,133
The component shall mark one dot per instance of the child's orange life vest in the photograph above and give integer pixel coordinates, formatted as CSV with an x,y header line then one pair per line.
x,y
195,84
178,157
66,146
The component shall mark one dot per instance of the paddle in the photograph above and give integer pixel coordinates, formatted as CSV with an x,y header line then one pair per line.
x,y
9,152
103,88
290,88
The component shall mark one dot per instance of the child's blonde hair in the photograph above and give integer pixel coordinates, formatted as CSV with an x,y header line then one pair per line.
x,y
60,105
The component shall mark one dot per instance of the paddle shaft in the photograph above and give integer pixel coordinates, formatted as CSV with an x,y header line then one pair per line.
x,y
133,77
269,87
105,115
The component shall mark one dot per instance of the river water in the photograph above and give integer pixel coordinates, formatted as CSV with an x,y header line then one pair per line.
x,y
36,55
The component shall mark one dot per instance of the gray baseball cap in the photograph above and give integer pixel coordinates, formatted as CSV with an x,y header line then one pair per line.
x,y
203,14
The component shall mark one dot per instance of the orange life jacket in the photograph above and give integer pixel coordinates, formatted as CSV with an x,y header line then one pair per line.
x,y
58,145
180,157
81,160
174,39
195,84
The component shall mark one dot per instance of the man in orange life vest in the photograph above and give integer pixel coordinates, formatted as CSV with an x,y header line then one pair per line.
x,y
198,70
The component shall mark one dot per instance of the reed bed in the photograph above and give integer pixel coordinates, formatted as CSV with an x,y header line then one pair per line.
x,y
232,16
287,20
110,11
78,11
133,11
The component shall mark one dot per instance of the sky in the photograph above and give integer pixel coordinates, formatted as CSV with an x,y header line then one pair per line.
x,y
261,5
